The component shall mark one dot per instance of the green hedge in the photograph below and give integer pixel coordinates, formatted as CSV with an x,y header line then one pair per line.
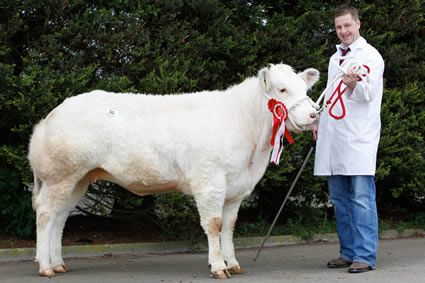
x,y
54,49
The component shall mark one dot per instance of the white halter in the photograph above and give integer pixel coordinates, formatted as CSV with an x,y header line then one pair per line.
x,y
295,104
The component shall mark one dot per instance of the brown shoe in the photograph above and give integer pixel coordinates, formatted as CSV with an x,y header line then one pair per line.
x,y
338,263
359,267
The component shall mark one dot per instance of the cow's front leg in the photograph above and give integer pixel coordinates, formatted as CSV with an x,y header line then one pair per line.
x,y
215,256
230,214
210,206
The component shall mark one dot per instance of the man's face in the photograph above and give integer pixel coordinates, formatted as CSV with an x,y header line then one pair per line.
x,y
347,29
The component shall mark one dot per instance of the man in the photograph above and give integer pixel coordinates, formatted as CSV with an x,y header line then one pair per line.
x,y
347,145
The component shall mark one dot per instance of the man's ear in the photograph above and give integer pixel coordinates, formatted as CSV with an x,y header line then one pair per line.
x,y
264,79
310,76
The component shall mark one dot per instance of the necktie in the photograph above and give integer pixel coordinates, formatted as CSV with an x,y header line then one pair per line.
x,y
344,52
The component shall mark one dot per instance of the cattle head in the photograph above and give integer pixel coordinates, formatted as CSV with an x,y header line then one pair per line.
x,y
283,84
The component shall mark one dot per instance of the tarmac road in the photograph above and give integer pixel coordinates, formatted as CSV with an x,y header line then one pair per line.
x,y
400,260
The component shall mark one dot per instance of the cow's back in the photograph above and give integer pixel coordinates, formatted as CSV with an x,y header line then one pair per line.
x,y
130,134
134,121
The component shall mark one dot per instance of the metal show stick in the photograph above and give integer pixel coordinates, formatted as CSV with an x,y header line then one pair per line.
x,y
284,202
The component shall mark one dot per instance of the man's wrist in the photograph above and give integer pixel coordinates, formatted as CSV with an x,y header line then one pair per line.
x,y
352,86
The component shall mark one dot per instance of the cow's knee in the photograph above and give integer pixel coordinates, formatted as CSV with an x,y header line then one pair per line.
x,y
43,216
214,226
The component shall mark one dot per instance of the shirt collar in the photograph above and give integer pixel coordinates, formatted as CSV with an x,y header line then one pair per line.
x,y
360,41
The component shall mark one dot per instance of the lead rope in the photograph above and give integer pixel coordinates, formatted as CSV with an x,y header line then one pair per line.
x,y
362,71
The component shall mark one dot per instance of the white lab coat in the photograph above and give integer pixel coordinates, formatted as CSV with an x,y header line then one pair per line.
x,y
349,146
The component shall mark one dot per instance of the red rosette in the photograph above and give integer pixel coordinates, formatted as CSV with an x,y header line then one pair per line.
x,y
280,114
278,109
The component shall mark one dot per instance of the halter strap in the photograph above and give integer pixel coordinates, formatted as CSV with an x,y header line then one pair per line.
x,y
295,104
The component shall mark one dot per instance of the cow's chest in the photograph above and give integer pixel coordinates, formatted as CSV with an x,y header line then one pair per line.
x,y
242,183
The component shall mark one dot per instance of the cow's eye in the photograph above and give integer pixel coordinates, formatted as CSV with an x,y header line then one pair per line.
x,y
282,90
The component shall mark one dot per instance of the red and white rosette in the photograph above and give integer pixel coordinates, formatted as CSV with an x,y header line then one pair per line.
x,y
280,115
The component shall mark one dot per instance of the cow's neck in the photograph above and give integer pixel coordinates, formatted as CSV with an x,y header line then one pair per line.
x,y
258,121
253,110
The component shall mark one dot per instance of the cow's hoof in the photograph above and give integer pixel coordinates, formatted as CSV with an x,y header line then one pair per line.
x,y
47,273
236,270
221,274
60,268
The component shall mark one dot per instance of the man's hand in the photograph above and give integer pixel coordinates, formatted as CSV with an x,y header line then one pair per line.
x,y
350,79
315,133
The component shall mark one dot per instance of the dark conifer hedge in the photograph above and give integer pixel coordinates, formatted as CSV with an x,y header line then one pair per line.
x,y
54,49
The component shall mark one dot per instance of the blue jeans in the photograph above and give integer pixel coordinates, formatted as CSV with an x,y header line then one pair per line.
x,y
354,202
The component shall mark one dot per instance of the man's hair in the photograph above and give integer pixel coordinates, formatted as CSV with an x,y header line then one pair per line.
x,y
346,9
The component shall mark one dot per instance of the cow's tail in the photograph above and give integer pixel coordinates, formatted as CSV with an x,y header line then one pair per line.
x,y
35,190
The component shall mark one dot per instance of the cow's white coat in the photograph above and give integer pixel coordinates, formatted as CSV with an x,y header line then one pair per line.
x,y
213,145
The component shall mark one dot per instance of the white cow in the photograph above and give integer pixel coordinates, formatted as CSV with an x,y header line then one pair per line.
x,y
213,145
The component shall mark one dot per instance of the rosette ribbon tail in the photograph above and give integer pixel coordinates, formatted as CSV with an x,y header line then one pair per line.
x,y
280,115
277,140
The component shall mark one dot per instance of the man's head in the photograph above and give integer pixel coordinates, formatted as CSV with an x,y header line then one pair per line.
x,y
347,24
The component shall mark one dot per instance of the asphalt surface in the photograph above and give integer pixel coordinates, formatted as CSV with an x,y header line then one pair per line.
x,y
400,260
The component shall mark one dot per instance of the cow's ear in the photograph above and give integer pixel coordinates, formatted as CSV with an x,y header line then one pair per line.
x,y
264,79
310,76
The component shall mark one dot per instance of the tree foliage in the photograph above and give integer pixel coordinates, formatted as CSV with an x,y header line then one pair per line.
x,y
54,49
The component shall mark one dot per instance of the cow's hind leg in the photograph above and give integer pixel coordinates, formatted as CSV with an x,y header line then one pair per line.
x,y
210,205
50,203
57,262
230,214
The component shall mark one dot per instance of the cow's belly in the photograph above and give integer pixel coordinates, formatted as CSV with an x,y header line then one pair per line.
x,y
137,187
142,190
